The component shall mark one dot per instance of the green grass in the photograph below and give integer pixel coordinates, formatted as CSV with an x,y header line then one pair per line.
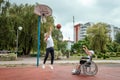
x,y
114,58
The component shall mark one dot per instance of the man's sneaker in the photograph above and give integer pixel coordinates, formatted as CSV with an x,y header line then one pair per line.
x,y
51,67
43,66
76,72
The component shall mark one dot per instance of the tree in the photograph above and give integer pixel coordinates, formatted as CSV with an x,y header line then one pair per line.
x,y
98,34
5,41
117,37
58,37
78,46
13,16
21,15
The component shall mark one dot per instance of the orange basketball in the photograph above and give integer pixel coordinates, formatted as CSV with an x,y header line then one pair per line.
x,y
58,26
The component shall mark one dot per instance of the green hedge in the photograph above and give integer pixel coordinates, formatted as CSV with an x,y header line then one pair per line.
x,y
57,54
8,57
102,55
118,54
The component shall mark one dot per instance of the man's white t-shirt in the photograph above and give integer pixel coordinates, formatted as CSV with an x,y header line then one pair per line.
x,y
91,52
50,42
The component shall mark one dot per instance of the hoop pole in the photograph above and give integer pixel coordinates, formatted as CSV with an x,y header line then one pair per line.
x,y
38,52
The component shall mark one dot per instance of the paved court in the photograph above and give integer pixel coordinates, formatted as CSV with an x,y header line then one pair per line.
x,y
60,72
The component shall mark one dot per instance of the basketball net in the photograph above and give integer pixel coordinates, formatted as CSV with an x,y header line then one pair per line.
x,y
43,18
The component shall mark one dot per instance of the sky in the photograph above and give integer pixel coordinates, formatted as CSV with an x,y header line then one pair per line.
x,y
84,11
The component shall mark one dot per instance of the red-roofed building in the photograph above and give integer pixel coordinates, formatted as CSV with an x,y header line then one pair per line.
x,y
76,32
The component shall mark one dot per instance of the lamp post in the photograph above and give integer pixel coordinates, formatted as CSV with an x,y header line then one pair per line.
x,y
19,28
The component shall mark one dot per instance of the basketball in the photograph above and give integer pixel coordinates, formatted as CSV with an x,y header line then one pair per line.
x,y
58,26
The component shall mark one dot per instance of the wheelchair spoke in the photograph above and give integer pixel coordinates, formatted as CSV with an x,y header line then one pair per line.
x,y
90,69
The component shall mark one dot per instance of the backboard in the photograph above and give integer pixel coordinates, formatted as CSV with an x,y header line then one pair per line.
x,y
43,10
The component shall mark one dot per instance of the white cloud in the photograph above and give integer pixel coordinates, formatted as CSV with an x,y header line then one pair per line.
x,y
116,12
113,17
87,3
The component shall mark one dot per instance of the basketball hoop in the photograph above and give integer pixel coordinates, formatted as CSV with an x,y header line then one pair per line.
x,y
43,18
43,11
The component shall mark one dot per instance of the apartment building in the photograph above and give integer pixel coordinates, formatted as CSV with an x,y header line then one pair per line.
x,y
113,31
80,31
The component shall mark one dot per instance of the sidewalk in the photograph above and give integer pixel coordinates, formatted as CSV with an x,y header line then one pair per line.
x,y
34,61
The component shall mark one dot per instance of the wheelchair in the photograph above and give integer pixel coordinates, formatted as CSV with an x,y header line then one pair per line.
x,y
86,67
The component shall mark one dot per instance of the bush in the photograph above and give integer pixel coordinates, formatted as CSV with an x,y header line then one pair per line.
x,y
118,54
99,56
105,56
112,54
102,55
19,53
34,54
8,57
78,55
94,56
58,54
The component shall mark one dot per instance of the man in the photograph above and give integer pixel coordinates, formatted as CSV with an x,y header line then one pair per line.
x,y
83,59
49,48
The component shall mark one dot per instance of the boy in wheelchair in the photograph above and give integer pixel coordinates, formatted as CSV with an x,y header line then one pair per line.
x,y
84,60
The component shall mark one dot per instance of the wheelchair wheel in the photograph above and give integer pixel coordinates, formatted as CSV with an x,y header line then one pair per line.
x,y
90,68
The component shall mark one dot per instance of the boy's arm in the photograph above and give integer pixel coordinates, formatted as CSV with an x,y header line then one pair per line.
x,y
48,34
46,37
86,50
